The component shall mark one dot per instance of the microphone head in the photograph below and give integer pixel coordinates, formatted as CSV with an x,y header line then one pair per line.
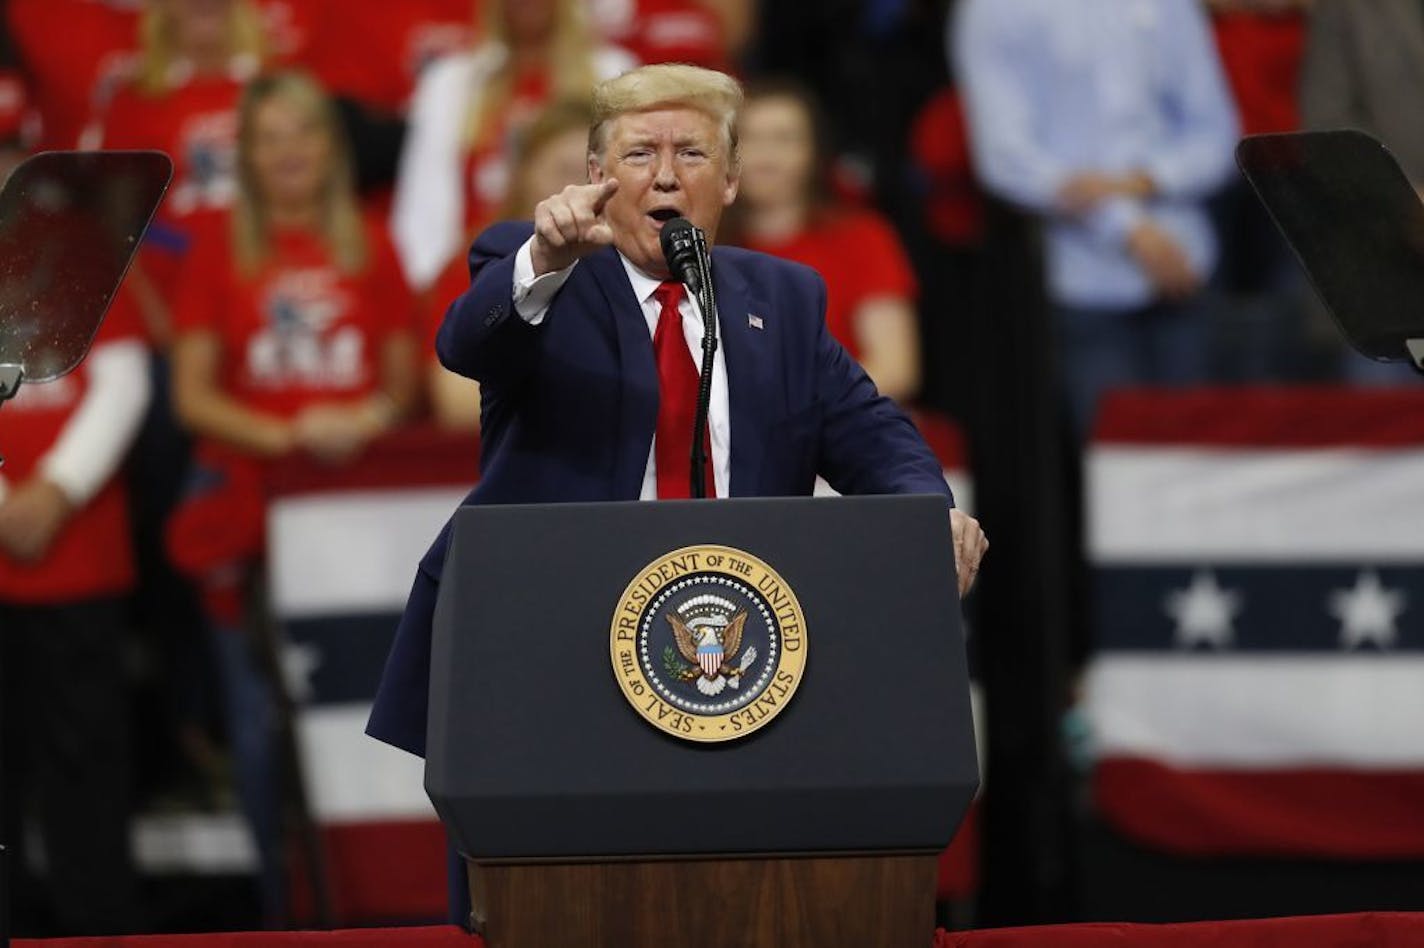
x,y
679,239
676,233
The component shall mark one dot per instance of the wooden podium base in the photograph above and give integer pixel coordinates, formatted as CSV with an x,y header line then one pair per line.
x,y
865,901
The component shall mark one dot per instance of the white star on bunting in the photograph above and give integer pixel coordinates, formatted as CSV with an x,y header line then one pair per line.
x,y
1204,612
1368,612
299,660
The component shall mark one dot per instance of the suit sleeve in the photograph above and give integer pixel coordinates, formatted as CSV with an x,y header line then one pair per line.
x,y
868,445
482,336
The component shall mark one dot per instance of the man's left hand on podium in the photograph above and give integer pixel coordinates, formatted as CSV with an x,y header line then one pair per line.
x,y
970,545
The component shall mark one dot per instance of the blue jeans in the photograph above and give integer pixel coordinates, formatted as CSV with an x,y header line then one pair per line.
x,y
250,716
1104,349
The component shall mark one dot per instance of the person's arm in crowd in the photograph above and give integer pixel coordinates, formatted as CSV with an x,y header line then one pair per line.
x,y
1197,157
1329,95
335,432
989,53
89,450
989,47
427,209
888,337
205,409
454,400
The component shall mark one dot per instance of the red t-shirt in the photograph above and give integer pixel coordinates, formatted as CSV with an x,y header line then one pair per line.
x,y
860,257
299,331
91,555
374,50
290,30
75,54
662,31
196,124
1262,55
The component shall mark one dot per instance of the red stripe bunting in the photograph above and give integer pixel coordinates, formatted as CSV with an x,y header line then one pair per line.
x,y
1319,417
1315,812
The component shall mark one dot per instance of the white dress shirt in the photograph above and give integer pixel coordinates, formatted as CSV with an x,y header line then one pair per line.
x,y
532,298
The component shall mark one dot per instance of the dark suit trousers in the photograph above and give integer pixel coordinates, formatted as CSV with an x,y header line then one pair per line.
x,y
65,764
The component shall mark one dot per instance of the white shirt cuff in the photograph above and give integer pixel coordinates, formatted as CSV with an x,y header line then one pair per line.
x,y
533,295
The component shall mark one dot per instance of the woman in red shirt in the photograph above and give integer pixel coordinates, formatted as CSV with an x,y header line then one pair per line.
x,y
294,333
784,208
182,100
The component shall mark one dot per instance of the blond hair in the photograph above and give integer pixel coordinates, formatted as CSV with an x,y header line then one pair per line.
x,y
158,51
667,84
571,50
342,226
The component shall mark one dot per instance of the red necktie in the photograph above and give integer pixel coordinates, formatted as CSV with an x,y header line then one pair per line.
x,y
677,385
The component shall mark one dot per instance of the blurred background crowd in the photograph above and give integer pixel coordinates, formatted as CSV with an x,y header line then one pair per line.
x,y
333,158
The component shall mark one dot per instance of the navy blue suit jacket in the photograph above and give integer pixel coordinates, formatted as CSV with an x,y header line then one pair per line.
x,y
570,406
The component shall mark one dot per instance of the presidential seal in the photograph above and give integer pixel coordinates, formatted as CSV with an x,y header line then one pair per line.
x,y
708,643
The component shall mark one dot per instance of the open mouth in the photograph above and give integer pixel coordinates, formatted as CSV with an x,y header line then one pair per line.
x,y
663,214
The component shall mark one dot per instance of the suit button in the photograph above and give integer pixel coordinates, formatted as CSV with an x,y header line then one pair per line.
x,y
493,316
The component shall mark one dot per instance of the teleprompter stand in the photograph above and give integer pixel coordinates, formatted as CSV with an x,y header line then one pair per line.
x,y
582,822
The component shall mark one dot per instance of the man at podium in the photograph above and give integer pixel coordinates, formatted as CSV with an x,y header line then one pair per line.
x,y
587,352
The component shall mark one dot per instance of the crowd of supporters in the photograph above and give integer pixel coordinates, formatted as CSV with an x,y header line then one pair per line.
x,y
334,158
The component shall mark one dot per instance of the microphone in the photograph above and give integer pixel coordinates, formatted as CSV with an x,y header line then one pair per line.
x,y
680,240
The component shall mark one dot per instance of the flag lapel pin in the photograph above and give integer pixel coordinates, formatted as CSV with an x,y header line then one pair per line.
x,y
755,321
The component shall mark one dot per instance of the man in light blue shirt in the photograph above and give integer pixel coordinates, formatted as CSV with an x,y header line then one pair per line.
x,y
1112,120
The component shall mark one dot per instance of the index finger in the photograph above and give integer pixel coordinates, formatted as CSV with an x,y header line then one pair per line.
x,y
606,190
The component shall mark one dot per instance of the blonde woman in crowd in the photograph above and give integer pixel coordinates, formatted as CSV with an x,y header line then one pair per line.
x,y
295,334
455,169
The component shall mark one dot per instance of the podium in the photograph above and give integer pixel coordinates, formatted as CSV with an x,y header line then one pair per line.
x,y
701,723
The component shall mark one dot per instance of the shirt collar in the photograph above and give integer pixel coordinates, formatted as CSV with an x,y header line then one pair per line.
x,y
644,286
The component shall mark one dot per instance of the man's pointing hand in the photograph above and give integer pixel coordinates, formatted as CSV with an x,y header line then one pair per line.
x,y
570,225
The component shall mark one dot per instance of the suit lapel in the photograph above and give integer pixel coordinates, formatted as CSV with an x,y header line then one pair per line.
x,y
749,358
638,375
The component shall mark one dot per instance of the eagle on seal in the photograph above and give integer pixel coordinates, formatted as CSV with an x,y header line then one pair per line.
x,y
711,648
